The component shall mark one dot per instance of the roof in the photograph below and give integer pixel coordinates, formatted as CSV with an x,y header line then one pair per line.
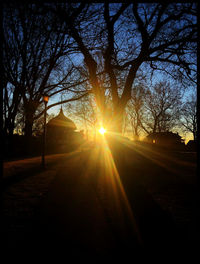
x,y
165,135
62,121
165,138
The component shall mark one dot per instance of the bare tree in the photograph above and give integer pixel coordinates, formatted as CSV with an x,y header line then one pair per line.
x,y
83,111
188,118
33,62
162,108
11,102
127,36
135,110
114,44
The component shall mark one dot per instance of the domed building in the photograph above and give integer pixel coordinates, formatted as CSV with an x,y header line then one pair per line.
x,y
61,135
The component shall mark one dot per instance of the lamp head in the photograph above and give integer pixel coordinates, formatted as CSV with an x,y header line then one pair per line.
x,y
45,98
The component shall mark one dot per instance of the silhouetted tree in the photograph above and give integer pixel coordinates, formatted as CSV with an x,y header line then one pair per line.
x,y
126,36
83,111
189,115
162,108
114,44
33,62
135,109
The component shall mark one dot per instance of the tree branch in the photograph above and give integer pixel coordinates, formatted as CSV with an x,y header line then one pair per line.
x,y
62,102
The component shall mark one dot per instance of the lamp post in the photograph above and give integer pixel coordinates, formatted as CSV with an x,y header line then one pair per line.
x,y
45,100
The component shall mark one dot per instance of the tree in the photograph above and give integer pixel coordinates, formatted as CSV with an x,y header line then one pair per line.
x,y
135,110
84,112
34,63
189,116
11,99
162,108
38,124
128,36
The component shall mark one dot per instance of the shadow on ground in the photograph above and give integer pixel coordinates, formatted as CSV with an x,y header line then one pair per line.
x,y
89,216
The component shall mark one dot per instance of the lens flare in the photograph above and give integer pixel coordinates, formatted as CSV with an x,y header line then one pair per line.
x,y
102,131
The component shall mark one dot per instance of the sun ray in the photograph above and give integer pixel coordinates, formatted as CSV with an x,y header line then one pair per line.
x,y
117,186
161,159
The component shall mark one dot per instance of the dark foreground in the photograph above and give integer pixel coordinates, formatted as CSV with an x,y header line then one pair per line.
x,y
99,209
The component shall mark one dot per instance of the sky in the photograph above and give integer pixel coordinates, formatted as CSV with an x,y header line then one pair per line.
x,y
156,76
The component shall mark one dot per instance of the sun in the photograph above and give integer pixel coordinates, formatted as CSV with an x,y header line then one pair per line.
x,y
102,131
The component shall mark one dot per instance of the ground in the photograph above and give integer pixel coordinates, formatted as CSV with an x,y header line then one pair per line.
x,y
174,191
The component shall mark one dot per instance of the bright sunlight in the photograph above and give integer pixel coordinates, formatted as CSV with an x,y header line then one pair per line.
x,y
102,131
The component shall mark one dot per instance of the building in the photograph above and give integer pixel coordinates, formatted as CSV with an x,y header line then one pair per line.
x,y
192,145
62,135
166,139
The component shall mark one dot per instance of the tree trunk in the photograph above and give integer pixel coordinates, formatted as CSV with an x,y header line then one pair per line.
x,y
28,127
118,119
30,108
28,130
135,136
11,127
8,127
155,125
194,135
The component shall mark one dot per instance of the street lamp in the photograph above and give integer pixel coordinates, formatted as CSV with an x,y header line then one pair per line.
x,y
45,100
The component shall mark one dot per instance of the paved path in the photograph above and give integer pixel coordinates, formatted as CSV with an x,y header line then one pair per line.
x,y
13,169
